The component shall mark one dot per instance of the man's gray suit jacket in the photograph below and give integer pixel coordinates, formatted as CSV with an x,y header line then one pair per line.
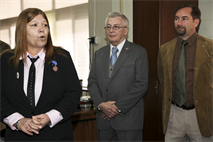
x,y
127,86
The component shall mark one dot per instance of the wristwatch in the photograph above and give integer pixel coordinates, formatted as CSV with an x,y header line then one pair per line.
x,y
16,124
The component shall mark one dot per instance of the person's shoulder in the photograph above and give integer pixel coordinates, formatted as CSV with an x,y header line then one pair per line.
x,y
5,57
104,48
135,47
204,39
167,45
60,49
170,42
4,44
61,52
7,53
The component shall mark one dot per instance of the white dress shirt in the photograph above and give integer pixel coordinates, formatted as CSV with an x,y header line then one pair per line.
x,y
120,46
54,115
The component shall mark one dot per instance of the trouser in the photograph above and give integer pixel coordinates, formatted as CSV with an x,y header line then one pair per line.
x,y
112,135
183,127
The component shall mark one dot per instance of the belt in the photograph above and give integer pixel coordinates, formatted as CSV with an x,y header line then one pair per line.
x,y
186,107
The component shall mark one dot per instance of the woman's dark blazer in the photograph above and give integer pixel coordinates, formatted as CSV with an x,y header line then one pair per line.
x,y
61,91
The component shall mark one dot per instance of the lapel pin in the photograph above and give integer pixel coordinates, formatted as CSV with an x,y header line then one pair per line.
x,y
55,68
127,48
17,75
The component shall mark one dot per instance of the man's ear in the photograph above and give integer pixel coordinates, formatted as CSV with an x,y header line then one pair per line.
x,y
126,31
196,21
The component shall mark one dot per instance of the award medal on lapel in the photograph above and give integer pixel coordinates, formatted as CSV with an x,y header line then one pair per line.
x,y
17,75
55,68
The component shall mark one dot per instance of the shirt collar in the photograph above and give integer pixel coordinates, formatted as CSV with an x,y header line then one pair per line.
x,y
190,40
41,55
120,46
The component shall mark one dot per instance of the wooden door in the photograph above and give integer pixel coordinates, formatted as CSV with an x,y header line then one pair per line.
x,y
146,34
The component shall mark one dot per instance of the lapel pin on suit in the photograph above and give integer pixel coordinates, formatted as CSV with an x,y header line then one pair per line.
x,y
17,75
55,68
127,48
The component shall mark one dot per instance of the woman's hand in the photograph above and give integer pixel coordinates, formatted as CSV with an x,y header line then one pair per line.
x,y
40,121
24,126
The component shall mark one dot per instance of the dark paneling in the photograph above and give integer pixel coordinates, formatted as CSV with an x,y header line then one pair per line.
x,y
84,126
146,34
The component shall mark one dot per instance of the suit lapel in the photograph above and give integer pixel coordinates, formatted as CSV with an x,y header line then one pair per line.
x,y
105,62
200,50
20,81
46,80
122,58
170,55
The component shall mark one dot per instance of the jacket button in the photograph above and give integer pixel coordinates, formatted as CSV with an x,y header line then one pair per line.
x,y
107,90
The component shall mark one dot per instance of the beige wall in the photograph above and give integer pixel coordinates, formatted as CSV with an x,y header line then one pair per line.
x,y
206,27
103,7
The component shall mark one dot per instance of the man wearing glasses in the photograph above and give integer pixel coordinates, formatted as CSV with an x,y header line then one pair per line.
x,y
117,83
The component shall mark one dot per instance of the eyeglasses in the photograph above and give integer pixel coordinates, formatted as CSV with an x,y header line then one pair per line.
x,y
114,28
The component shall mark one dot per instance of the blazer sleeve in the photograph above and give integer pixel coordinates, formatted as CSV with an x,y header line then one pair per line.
x,y
93,84
4,46
71,97
160,69
140,85
5,108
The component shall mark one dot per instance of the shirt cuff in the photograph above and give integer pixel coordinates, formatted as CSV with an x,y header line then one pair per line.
x,y
55,117
99,107
12,119
118,109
